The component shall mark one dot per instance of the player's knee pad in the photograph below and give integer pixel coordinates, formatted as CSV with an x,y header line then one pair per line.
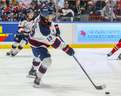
x,y
47,62
36,62
22,43
15,44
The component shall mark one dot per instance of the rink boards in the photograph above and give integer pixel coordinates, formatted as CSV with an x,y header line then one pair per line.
x,y
77,35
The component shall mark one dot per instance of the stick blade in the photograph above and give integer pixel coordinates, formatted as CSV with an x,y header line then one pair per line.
x,y
103,86
100,87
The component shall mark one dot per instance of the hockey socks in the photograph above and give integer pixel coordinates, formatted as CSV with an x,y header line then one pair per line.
x,y
35,64
44,66
13,48
116,47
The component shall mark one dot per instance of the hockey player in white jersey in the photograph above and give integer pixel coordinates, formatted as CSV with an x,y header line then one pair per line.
x,y
44,34
23,33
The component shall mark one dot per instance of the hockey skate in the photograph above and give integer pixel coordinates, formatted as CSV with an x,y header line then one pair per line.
x,y
9,53
119,57
32,73
109,54
14,54
37,82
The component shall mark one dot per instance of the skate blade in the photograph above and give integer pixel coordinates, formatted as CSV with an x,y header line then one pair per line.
x,y
30,76
36,86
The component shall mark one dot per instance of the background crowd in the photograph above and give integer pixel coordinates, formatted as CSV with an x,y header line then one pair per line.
x,y
68,10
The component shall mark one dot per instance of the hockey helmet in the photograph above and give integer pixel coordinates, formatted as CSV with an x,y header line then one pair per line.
x,y
29,11
46,11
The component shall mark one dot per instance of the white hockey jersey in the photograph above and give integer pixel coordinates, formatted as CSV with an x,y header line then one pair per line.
x,y
44,35
25,25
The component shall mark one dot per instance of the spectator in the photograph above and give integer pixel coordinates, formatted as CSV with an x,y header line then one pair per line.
x,y
117,10
2,9
7,2
114,3
120,2
36,3
59,13
93,1
36,12
61,2
106,12
71,3
100,4
15,2
77,8
90,8
20,11
67,13
84,3
3,6
26,3
10,13
41,5
52,4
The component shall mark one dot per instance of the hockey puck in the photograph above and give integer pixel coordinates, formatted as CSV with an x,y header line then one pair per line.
x,y
107,92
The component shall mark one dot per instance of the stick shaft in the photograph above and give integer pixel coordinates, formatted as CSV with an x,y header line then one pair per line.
x,y
80,66
83,70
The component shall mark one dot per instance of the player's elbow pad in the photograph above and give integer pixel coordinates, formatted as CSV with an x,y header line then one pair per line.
x,y
68,50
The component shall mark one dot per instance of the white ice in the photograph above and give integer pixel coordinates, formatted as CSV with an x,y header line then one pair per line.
x,y
64,77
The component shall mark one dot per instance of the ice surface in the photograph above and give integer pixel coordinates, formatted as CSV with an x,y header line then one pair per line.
x,y
64,77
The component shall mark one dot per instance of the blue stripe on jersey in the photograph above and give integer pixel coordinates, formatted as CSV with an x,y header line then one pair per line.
x,y
36,43
56,44
44,29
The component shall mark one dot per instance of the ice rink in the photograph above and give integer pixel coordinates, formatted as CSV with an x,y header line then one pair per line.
x,y
64,77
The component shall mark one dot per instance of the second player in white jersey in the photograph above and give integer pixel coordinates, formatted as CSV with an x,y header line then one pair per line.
x,y
24,28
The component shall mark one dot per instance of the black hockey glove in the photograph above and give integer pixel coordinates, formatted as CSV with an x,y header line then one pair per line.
x,y
69,50
57,30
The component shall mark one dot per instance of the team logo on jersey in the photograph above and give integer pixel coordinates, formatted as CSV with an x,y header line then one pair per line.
x,y
27,27
83,33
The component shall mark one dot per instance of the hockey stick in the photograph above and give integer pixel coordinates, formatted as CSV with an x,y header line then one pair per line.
x,y
97,87
11,33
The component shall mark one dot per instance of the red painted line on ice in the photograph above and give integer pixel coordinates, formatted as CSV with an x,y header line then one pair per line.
x,y
93,62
